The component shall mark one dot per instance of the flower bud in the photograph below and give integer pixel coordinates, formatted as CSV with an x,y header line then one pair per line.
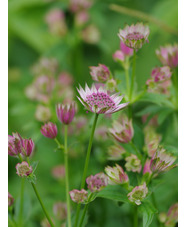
x,y
138,194
65,113
162,217
14,145
115,152
116,175
118,56
97,183
10,199
127,51
146,168
60,210
172,216
23,169
49,130
111,85
78,196
133,163
100,73
27,147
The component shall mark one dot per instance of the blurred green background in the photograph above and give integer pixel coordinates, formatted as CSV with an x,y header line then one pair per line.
x,y
29,40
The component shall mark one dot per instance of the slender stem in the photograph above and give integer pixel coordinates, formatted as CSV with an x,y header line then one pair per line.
x,y
42,205
133,76
86,165
67,177
85,210
28,160
21,201
126,68
136,216
59,144
20,157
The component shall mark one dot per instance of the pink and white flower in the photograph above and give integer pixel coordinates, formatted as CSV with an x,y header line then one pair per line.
x,y
49,130
97,183
99,101
78,196
23,169
134,36
133,163
138,194
100,73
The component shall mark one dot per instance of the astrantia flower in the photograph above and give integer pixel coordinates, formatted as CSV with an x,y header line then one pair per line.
x,y
160,74
14,145
99,73
134,36
146,168
115,152
10,199
97,182
138,194
65,113
49,130
172,216
116,175
99,101
27,147
78,196
168,55
122,131
162,161
23,169
133,163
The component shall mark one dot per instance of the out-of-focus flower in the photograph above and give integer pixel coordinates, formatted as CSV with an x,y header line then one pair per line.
x,y
161,73
152,122
111,85
159,88
115,152
81,18
162,161
101,133
31,92
97,183
14,145
65,79
23,169
133,163
49,130
172,216
116,175
127,51
162,217
100,73
134,36
152,140
45,223
122,132
43,113
77,126
55,19
78,196
138,194
146,168
78,5
118,56
91,34
58,172
168,55
60,210
98,100
65,113
10,199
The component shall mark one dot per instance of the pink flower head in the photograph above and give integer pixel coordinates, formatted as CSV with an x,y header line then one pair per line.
x,y
133,163
134,36
65,79
27,147
138,194
160,74
118,56
168,55
146,168
172,216
162,161
115,152
97,183
99,73
65,113
127,51
116,175
23,169
60,210
78,196
49,130
122,131
10,199
58,172
81,17
14,144
99,101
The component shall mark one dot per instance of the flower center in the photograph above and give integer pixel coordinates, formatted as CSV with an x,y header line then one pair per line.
x,y
134,36
101,100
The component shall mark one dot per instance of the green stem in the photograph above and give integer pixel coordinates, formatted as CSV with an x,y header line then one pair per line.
x,y
42,205
126,68
133,76
21,201
86,164
28,160
85,210
59,144
67,177
20,157
136,216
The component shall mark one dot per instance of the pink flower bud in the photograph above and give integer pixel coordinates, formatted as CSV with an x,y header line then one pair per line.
x,y
138,194
99,73
58,172
146,168
27,147
49,130
133,163
10,199
78,196
127,51
116,175
65,113
97,183
81,18
23,169
122,131
118,56
14,145
60,210
172,216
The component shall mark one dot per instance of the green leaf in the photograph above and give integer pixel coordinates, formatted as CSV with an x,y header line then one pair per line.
x,y
164,114
148,211
34,165
114,192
